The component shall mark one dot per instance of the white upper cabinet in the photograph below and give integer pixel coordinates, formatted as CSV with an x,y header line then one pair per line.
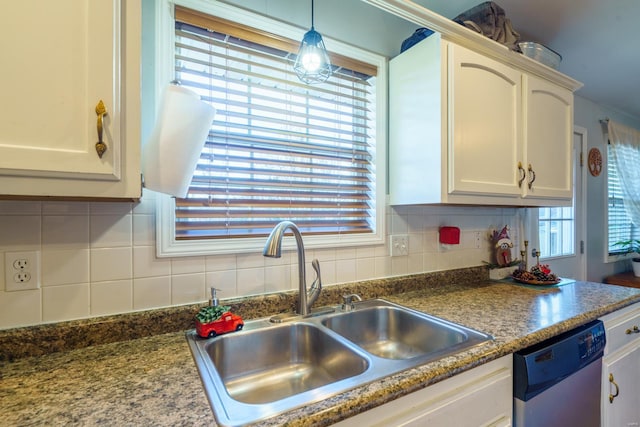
x,y
468,129
548,135
485,124
62,61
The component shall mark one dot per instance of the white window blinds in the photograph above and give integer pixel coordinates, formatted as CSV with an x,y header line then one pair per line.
x,y
620,227
278,149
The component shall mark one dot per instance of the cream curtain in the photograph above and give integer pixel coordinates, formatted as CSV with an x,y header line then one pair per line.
x,y
625,147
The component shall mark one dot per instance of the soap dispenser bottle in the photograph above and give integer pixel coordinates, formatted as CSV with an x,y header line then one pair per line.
x,y
213,302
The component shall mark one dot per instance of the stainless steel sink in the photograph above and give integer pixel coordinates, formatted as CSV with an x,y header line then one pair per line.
x,y
263,366
396,333
267,368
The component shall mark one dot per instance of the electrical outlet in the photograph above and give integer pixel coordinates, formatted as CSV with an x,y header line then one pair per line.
x,y
21,270
477,239
400,245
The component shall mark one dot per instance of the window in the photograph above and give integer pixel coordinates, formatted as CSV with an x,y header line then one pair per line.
x,y
278,148
556,229
620,225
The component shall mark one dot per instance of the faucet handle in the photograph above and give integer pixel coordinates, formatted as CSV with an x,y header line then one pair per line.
x,y
316,286
347,301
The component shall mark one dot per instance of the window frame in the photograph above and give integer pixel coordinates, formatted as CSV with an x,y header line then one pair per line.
x,y
166,243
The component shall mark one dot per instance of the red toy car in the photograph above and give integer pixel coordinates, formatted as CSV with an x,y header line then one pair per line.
x,y
228,322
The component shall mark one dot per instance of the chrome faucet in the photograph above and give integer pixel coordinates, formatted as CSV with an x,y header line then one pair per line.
x,y
272,249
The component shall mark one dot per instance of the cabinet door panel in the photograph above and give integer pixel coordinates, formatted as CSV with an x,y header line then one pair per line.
x,y
52,82
624,366
548,141
485,124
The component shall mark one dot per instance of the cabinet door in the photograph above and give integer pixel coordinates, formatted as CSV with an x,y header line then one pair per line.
x,y
480,397
485,113
621,375
548,140
52,82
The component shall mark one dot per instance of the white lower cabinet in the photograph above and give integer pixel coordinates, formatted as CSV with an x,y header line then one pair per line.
x,y
621,369
480,397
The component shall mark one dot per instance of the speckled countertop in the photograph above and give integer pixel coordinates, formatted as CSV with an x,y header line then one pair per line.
x,y
153,380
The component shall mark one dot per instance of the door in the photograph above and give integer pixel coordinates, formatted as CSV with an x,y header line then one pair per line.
x,y
621,381
561,231
54,84
485,125
548,128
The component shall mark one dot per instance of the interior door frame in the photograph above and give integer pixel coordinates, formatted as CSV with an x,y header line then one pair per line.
x,y
579,153
582,237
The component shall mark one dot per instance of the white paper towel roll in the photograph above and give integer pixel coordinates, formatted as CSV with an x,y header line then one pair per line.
x,y
171,154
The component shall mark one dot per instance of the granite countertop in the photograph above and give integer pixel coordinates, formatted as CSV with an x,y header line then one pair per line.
x,y
153,380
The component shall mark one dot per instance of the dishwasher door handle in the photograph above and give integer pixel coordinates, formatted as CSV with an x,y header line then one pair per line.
x,y
613,396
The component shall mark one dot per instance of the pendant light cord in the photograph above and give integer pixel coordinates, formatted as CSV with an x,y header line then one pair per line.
x,y
312,14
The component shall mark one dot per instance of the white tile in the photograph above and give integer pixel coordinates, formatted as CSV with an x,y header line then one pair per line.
x,y
19,207
414,263
224,281
345,253
328,273
277,278
326,254
365,268
110,208
151,292
147,204
65,302
399,265
366,252
250,281
65,208
250,260
19,232
220,262
399,224
109,231
110,264
415,243
111,297
429,262
64,267
186,265
383,267
65,232
188,289
345,270
21,308
145,263
144,230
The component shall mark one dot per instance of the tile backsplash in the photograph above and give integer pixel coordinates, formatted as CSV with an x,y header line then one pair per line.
x,y
99,259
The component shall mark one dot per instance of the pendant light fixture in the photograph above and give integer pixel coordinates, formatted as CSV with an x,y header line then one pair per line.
x,y
312,64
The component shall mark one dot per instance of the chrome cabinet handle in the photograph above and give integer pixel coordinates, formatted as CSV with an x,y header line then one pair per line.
x,y
101,111
613,396
522,174
532,173
634,330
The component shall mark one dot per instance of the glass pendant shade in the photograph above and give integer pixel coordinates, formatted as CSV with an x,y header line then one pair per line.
x,y
312,64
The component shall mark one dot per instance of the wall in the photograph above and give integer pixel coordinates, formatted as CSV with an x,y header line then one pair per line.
x,y
98,258
588,115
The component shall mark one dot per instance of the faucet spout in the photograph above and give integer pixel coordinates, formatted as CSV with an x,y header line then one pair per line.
x,y
273,249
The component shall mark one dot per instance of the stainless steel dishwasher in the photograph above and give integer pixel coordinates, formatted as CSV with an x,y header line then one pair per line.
x,y
557,382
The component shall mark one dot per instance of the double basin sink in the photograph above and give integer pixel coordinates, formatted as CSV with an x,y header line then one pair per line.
x,y
269,368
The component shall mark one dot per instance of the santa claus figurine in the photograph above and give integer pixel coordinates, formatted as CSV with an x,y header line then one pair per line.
x,y
502,247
